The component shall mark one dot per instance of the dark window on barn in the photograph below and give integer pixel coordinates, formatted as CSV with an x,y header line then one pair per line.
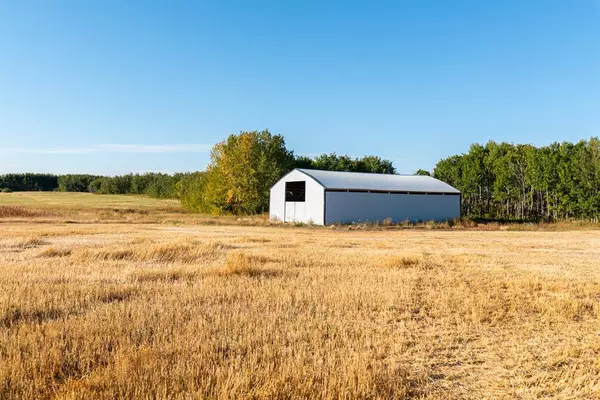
x,y
295,191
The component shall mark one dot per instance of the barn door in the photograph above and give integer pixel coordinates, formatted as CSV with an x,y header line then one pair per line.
x,y
295,196
290,211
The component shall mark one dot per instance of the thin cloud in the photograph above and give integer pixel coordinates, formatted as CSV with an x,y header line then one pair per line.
x,y
111,148
161,148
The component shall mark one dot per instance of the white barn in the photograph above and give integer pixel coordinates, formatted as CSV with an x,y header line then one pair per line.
x,y
326,197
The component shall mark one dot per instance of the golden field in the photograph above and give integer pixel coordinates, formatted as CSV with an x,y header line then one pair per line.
x,y
123,297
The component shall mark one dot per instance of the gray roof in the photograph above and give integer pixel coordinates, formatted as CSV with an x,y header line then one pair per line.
x,y
378,182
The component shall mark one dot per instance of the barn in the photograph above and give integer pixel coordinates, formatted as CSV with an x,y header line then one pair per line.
x,y
327,197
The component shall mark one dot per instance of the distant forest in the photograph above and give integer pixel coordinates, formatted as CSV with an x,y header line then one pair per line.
x,y
150,184
499,181
507,181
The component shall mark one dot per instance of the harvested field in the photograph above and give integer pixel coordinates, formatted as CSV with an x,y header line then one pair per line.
x,y
144,310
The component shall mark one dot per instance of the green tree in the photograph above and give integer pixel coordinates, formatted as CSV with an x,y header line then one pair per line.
x,y
242,170
29,182
192,193
75,182
303,162
162,186
504,180
333,162
375,164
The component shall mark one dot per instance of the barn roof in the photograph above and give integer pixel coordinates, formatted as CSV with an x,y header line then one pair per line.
x,y
378,182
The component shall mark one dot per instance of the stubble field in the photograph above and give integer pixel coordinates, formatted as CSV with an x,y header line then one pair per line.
x,y
105,297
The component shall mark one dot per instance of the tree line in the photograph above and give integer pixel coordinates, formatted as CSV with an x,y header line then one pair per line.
x,y
28,182
501,181
497,180
150,184
508,181
157,185
333,162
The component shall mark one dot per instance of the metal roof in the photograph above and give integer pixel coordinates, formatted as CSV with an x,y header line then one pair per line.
x,y
378,182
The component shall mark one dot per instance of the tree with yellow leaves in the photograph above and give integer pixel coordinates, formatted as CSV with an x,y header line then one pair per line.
x,y
242,170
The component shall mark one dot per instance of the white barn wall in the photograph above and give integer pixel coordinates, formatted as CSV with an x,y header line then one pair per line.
x,y
309,211
276,206
346,207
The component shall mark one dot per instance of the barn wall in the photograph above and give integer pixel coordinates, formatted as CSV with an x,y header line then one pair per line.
x,y
311,211
345,207
276,201
315,202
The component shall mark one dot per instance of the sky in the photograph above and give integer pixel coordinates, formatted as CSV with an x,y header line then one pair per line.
x,y
112,87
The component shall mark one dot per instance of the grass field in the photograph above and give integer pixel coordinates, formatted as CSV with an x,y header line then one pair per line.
x,y
121,304
78,201
58,207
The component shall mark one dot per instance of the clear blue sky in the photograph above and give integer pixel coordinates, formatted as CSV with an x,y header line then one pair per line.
x,y
130,86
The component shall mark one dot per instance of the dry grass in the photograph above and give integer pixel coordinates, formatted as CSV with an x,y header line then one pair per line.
x,y
402,261
247,265
30,242
254,239
140,310
164,274
74,208
176,252
7,211
55,252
